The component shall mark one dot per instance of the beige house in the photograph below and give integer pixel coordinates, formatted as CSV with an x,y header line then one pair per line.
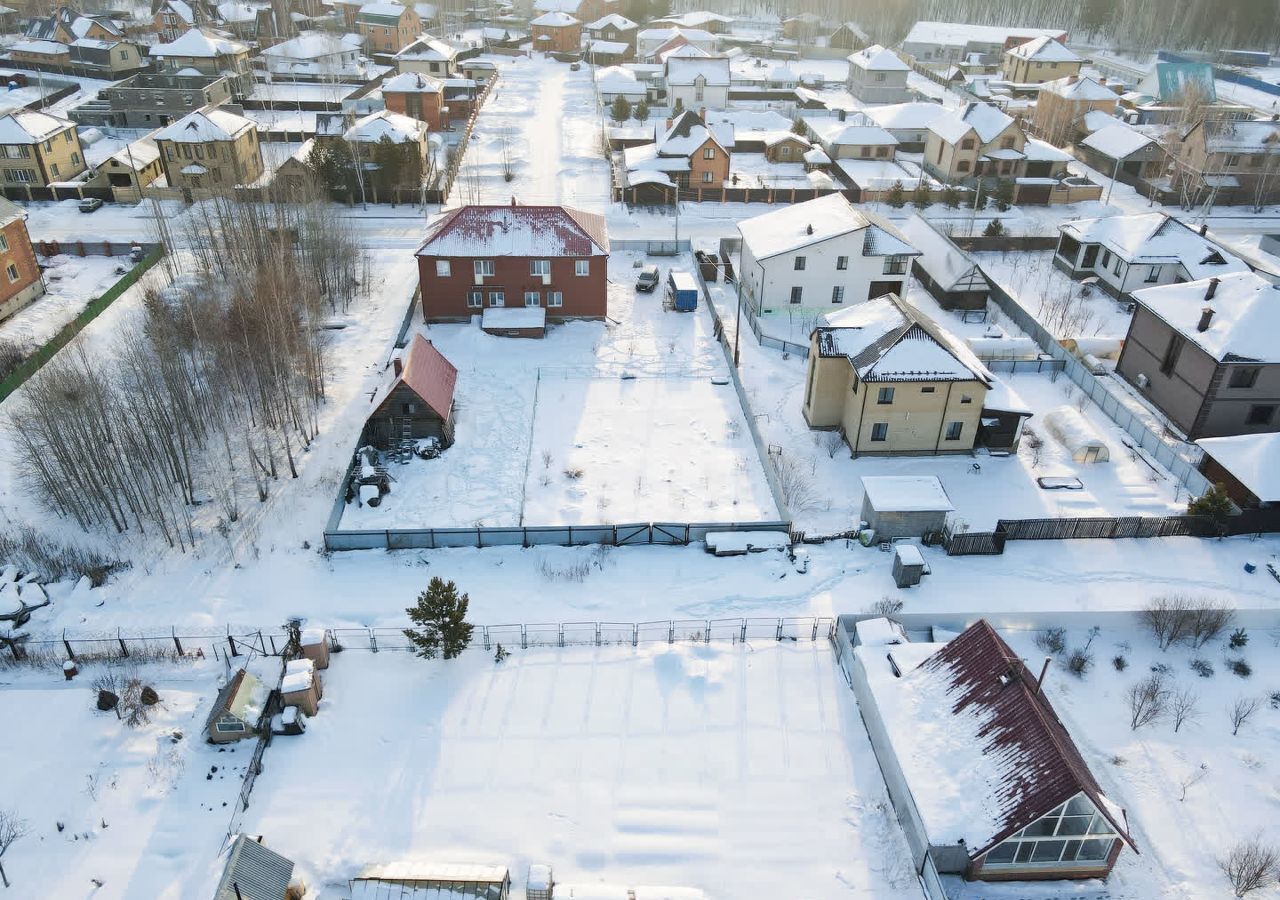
x,y
1061,107
237,709
207,52
387,27
133,168
1235,161
978,139
891,380
210,149
39,149
1040,60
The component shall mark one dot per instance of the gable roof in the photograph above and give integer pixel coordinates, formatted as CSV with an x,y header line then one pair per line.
x,y
554,19
429,375
687,133
428,49
254,872
1117,141
799,225
1246,316
948,265
1156,238
542,231
315,45
10,211
1075,88
714,70
397,128
199,43
985,120
888,339
1044,49
412,83
30,127
622,23
1252,459
915,115
854,130
383,13
205,125
878,59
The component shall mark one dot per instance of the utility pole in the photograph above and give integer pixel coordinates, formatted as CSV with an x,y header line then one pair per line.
x,y
1115,173
677,212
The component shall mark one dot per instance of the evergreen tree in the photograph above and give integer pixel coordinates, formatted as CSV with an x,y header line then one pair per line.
x,y
1004,195
1213,503
920,196
621,109
641,112
897,195
995,228
798,128
951,196
440,615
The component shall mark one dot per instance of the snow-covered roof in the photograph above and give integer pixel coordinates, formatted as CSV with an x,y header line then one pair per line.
x,y
1076,88
1095,119
906,493
1044,49
816,156
382,10
205,125
880,174
799,225
46,48
622,23
1042,151
982,750
428,49
957,34
693,35
949,266
554,19
232,11
315,45
879,632
428,374
1117,141
1003,398
854,130
541,231
181,9
1242,136
200,44
987,122
412,83
681,50
514,317
1155,238
889,339
713,70
30,127
397,128
138,155
1252,459
1246,315
916,116
608,48
687,133
696,19
878,59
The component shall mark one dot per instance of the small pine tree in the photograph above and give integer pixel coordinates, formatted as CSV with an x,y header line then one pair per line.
x,y
500,654
797,127
1213,503
621,109
995,228
440,615
897,195
920,198
1004,195
641,112
950,196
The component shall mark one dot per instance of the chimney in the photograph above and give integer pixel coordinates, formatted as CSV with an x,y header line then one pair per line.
x,y
1204,229
669,121
1044,670
1206,316
397,365
1211,289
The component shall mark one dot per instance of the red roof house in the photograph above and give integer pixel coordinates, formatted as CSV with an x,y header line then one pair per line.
x,y
417,402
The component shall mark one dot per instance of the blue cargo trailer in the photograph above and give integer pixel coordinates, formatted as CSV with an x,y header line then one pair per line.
x,y
682,291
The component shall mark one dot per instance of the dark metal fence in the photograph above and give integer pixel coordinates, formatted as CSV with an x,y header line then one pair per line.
x,y
638,533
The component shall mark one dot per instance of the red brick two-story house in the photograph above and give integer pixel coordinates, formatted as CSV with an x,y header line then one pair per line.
x,y
21,282
485,257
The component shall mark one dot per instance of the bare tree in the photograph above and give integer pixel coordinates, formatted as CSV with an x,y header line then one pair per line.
x,y
795,483
1169,619
12,828
1147,701
1241,711
1208,620
1250,865
1191,779
1184,705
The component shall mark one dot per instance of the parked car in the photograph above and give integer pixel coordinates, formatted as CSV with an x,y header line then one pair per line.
x,y
648,279
90,204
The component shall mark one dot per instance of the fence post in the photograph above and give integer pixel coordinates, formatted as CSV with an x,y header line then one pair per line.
x,y
373,641
778,636
176,643
744,631
635,634
272,639
524,638
562,634
597,634
815,630
484,633
124,651
707,633
671,632
232,643
66,643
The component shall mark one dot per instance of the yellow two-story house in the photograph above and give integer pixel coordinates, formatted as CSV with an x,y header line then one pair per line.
x,y
891,380
37,149
210,149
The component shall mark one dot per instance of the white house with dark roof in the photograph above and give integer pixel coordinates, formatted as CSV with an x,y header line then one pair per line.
x,y
821,255
697,82
893,381
878,75
1127,253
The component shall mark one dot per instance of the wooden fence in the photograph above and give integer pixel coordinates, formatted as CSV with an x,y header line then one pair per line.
x,y
991,543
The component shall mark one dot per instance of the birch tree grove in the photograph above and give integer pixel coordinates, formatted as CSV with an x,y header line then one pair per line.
x,y
216,393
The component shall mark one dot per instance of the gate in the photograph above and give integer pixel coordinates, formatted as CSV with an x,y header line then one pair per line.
x,y
631,535
667,533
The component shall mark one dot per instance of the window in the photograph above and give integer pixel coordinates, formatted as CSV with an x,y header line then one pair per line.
x,y
707,176
885,397
1232,160
708,152
797,294
842,263
1241,376
531,298
837,294
1153,275
475,299
53,169
4,244
199,151
882,151
1119,266
928,389
48,146
962,165
443,268
483,266
866,152
555,298
1073,833
229,727
12,271
895,265
800,262
24,176
785,151
582,267
1106,258
1007,143
698,93
966,144
965,398
953,430
1258,415
1171,353
880,431
879,76
497,298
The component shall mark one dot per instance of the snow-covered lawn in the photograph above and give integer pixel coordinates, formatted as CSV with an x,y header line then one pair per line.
x,y
132,808
70,283
1066,308
1230,780
739,769
629,402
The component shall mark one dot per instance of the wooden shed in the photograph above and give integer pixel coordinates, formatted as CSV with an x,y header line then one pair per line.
x,y
237,709
301,686
948,273
315,647
418,401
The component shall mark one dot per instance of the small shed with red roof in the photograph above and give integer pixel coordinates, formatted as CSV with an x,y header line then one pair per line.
x,y
417,401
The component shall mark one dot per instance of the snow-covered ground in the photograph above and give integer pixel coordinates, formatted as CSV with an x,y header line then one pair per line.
x,y
70,283
668,445
1066,308
723,767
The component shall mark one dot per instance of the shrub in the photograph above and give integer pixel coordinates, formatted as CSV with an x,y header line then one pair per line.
x,y
1052,640
1239,667
1119,662
1079,662
995,228
1213,504
1250,865
1239,638
1275,699
1202,667
886,607
1161,669
1178,619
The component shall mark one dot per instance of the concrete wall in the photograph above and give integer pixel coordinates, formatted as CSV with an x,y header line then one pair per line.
x,y
869,88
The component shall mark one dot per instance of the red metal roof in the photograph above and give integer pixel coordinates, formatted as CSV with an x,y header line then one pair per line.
x,y
523,231
1046,767
429,375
